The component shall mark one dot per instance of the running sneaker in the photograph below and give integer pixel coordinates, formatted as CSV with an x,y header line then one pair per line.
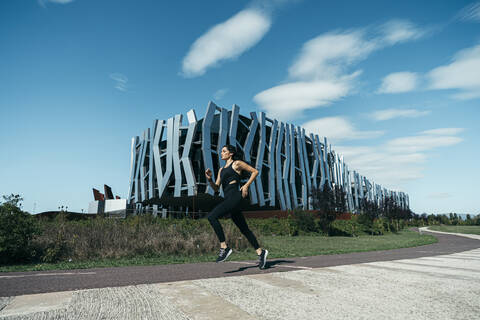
x,y
224,253
262,259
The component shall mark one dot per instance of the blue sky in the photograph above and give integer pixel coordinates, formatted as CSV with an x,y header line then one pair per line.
x,y
394,85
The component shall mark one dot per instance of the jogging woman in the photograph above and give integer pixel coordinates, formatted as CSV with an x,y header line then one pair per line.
x,y
229,178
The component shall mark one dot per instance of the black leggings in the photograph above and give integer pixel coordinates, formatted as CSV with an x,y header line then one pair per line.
x,y
231,203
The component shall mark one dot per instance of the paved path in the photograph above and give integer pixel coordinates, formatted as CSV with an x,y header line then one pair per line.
x,y
19,283
471,236
438,281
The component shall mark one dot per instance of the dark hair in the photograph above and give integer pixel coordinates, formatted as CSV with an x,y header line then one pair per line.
x,y
237,154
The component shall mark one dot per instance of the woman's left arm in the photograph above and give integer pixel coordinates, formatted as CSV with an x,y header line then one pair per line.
x,y
254,173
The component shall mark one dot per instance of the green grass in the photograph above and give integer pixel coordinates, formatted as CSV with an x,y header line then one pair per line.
x,y
278,247
457,229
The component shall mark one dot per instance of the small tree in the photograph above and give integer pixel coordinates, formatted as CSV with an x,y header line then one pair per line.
x,y
468,219
329,202
17,229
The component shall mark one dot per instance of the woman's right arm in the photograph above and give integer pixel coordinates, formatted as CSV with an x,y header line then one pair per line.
x,y
215,185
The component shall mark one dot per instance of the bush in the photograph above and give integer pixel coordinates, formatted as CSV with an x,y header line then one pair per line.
x,y
304,221
272,226
346,228
17,229
325,220
377,227
373,226
60,247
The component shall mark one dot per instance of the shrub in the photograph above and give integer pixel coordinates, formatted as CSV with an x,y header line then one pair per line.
x,y
304,221
17,229
325,220
377,227
272,226
330,202
59,247
346,228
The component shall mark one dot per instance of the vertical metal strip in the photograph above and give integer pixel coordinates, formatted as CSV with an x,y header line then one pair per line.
x,y
247,150
186,162
156,154
207,144
316,162
133,163
355,188
301,163
278,167
306,166
234,126
175,156
286,168
169,156
321,156
328,178
222,135
151,169
293,170
138,180
259,164
271,162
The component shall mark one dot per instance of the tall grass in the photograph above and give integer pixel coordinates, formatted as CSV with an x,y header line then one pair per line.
x,y
148,236
139,235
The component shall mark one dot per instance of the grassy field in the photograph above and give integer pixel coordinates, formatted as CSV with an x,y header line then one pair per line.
x,y
278,246
457,229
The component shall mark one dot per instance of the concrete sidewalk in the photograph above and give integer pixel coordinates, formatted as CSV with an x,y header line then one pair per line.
x,y
436,287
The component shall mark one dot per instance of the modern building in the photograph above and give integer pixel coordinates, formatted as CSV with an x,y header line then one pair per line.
x,y
168,163
107,203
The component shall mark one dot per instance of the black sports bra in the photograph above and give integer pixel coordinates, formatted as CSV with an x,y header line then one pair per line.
x,y
228,175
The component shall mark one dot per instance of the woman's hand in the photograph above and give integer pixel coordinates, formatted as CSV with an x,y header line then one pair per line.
x,y
244,190
208,174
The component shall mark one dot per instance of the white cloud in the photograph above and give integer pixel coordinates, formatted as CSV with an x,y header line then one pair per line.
x,y
385,168
439,195
462,74
444,131
337,129
399,82
328,55
421,143
398,160
470,13
283,101
317,76
388,114
219,94
225,41
351,152
43,2
120,81
326,60
397,31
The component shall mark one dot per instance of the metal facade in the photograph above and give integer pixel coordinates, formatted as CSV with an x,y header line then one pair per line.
x,y
169,160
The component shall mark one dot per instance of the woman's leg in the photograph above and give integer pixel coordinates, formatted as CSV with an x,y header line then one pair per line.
x,y
241,223
219,211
